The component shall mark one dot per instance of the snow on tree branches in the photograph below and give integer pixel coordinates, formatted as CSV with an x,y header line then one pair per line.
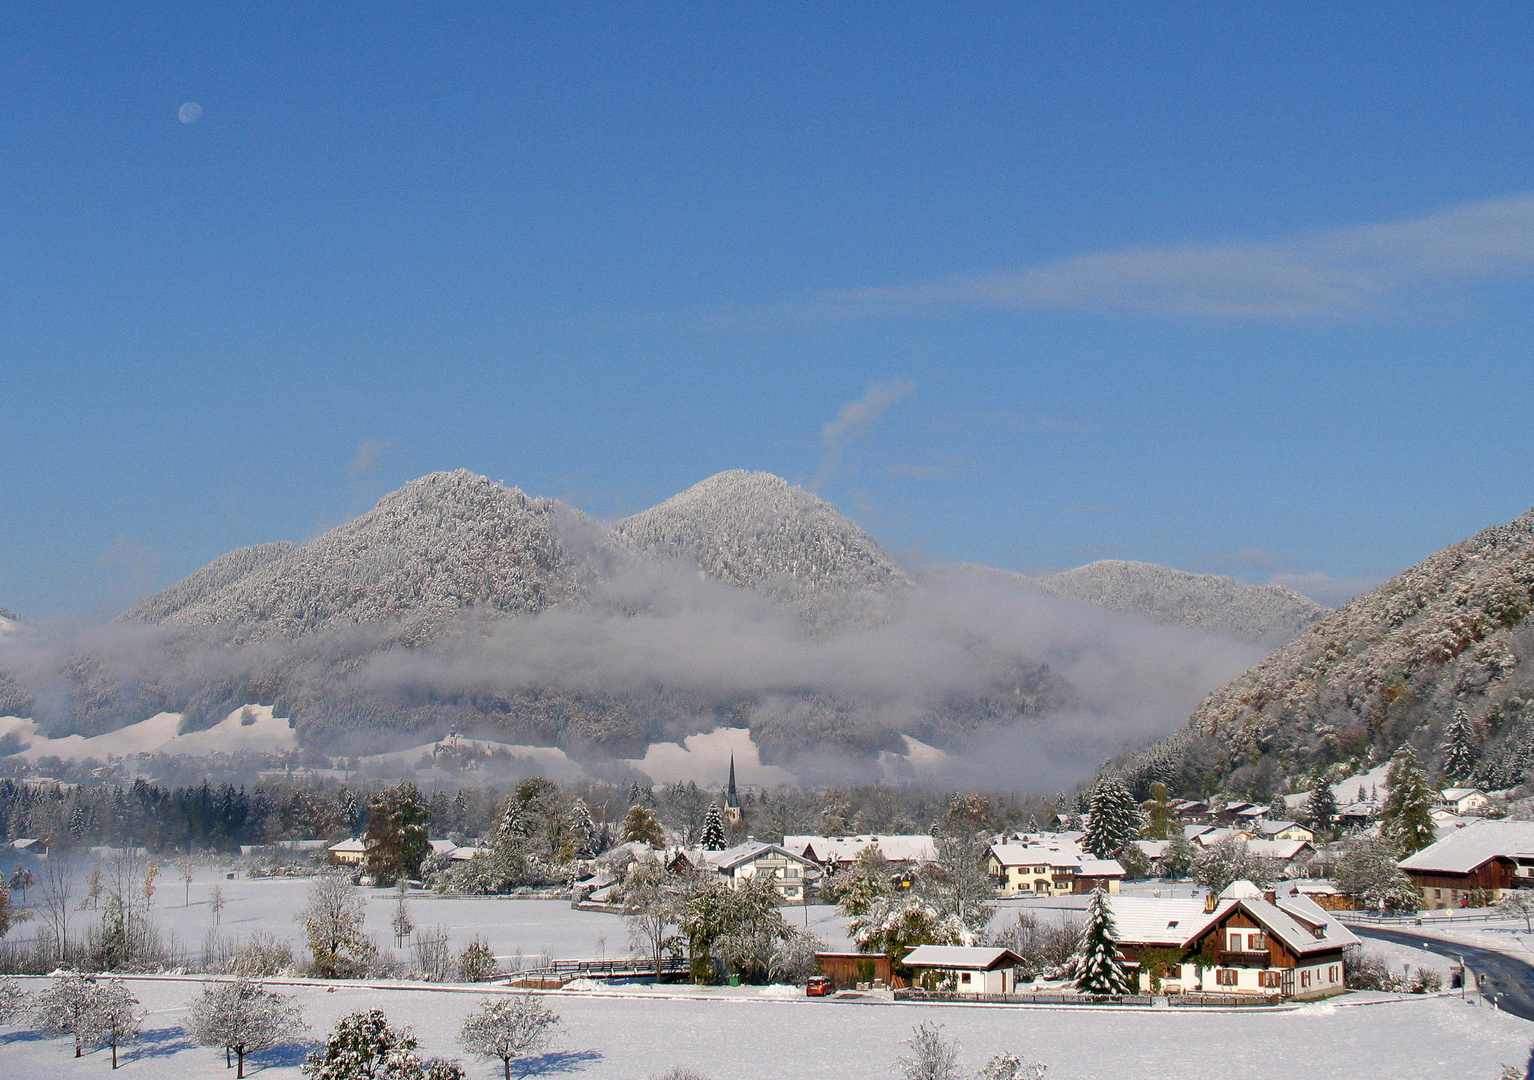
x,y
510,1028
364,1047
1095,965
243,1018
1116,818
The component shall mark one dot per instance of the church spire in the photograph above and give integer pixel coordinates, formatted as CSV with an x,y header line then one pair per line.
x,y
731,798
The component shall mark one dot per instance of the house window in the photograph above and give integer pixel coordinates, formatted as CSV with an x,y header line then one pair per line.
x,y
964,976
1331,974
1268,979
1305,977
1225,976
1257,942
1235,942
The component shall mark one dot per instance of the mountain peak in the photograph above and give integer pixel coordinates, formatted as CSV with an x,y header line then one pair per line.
x,y
756,530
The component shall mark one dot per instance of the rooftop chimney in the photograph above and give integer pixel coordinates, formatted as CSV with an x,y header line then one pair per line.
x,y
1270,895
1210,901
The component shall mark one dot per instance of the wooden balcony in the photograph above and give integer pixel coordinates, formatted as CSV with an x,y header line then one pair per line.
x,y
1246,959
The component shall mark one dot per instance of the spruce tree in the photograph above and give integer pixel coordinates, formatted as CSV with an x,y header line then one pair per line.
x,y
713,829
1095,964
1457,752
1321,807
1406,819
1116,818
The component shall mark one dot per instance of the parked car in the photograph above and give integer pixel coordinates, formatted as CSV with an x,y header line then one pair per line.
x,y
818,986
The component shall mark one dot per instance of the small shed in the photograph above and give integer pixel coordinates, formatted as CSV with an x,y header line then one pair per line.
x,y
847,969
969,968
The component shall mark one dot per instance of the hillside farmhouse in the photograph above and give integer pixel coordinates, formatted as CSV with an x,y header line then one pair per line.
x,y
1491,855
1245,941
1464,800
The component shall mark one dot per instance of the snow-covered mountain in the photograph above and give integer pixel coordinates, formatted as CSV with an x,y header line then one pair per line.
x,y
9,620
458,604
438,545
758,531
1270,614
1388,667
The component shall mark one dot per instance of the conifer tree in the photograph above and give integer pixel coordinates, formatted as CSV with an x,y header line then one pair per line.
x,y
1095,964
397,832
1321,807
1116,818
713,829
1406,819
640,824
1158,813
1457,752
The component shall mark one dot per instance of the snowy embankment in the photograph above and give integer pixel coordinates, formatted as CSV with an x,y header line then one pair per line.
x,y
763,1038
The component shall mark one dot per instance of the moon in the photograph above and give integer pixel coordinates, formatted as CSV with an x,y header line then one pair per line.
x,y
190,113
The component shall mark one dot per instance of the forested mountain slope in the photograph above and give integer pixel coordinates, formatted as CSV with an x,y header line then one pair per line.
x,y
756,530
1387,668
1263,613
440,544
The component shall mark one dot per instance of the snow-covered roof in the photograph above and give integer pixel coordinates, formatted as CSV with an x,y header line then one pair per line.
x,y
464,854
353,845
844,849
1273,828
961,957
1276,849
1297,921
1065,855
1101,868
1152,849
1462,851
1157,920
740,854
1300,923
1455,794
1191,832
442,847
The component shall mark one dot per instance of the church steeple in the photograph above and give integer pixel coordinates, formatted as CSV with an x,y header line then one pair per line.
x,y
731,796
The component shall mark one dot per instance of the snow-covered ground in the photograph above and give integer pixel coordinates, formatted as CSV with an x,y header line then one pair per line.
x,y
746,1036
252,728
512,926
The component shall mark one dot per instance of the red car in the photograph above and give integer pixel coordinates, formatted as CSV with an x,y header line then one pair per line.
x,y
818,986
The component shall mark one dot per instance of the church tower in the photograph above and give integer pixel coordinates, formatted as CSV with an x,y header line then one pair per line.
x,y
731,796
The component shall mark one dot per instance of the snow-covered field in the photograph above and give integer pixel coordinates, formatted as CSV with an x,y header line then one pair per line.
x,y
513,927
749,1035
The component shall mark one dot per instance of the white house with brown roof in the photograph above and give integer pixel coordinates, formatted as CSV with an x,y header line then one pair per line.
x,y
1245,941
1055,868
964,969
750,859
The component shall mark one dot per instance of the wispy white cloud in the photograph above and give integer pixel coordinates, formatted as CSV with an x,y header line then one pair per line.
x,y
853,420
1348,273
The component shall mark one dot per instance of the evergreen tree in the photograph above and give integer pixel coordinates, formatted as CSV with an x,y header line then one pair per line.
x,y
1159,819
1369,872
1178,858
1321,807
363,1045
1457,752
1095,965
1116,818
397,834
583,829
713,829
1406,818
640,824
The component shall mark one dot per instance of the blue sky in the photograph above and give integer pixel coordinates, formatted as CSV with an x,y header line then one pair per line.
x,y
1028,285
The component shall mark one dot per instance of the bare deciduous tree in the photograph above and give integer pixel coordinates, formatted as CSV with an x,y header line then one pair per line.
x,y
243,1018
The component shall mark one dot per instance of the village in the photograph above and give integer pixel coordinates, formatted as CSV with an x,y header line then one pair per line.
x,y
1234,909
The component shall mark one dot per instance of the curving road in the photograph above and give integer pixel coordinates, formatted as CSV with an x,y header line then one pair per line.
x,y
1504,980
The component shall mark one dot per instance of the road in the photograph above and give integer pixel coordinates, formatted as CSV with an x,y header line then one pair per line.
x,y
1507,981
